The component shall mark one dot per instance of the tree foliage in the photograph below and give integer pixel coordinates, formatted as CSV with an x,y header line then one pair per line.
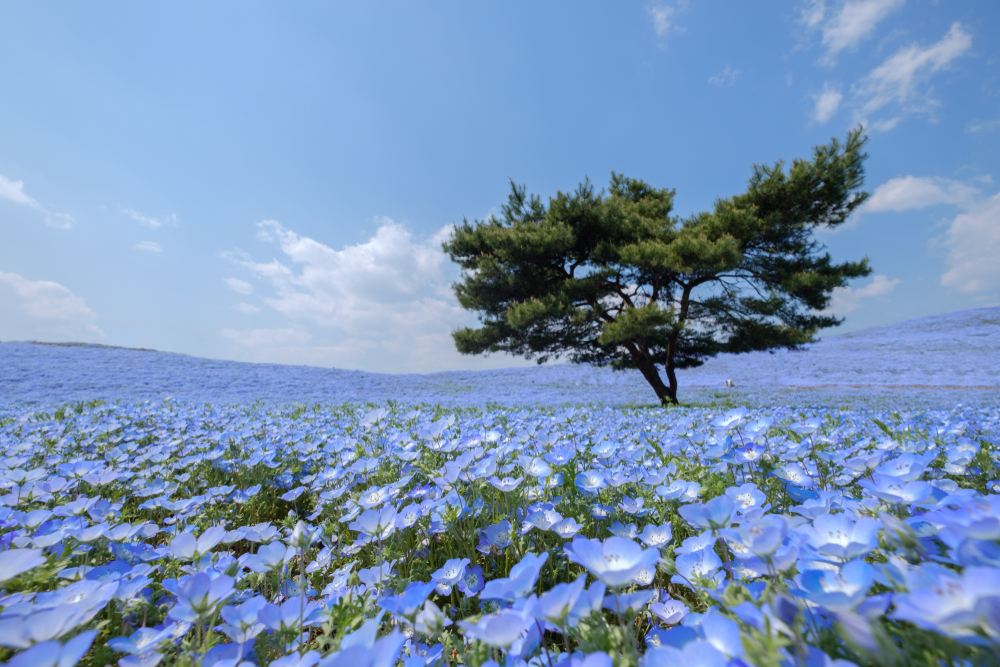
x,y
612,278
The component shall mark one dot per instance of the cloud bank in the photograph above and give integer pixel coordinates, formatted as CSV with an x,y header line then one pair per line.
x,y
14,191
44,310
385,304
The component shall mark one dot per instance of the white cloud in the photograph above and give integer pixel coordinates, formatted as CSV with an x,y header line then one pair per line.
x,y
813,13
151,246
847,299
827,102
973,243
726,78
983,125
385,304
247,308
43,309
662,16
855,21
391,278
912,192
239,286
899,80
14,191
152,223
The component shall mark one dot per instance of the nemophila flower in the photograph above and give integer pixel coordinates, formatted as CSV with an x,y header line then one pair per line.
x,y
697,653
719,512
294,494
628,532
591,481
670,612
308,659
242,496
292,614
746,497
839,536
430,620
143,640
730,420
378,574
496,536
796,475
656,536
449,574
893,490
622,603
520,582
631,505
705,540
199,596
383,652
269,557
242,622
555,605
500,630
615,561
536,467
601,512
409,602
34,626
55,654
838,590
543,520
748,452
566,528
645,576
696,566
14,562
185,546
373,497
679,489
907,467
761,537
471,581
507,484
946,602
378,524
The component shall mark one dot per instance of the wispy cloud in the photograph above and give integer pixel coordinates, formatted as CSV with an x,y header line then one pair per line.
x,y
972,240
898,83
851,23
827,101
973,244
247,308
149,246
983,125
727,77
383,304
44,309
845,300
152,223
912,192
14,191
239,286
663,17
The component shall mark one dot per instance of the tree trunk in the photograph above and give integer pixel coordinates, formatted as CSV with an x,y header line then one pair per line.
x,y
645,365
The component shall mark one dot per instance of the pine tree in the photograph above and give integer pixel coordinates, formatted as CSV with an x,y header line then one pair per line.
x,y
614,279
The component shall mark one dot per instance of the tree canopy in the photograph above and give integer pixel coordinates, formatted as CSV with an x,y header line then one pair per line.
x,y
612,278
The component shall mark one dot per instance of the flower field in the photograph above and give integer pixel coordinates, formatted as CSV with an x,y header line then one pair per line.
x,y
178,533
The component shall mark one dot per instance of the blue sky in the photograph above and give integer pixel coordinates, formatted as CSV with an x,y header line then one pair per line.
x,y
271,182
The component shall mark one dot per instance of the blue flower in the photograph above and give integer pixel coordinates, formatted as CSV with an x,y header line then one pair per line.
x,y
616,561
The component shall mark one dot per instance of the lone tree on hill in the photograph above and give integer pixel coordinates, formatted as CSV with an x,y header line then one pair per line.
x,y
614,279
